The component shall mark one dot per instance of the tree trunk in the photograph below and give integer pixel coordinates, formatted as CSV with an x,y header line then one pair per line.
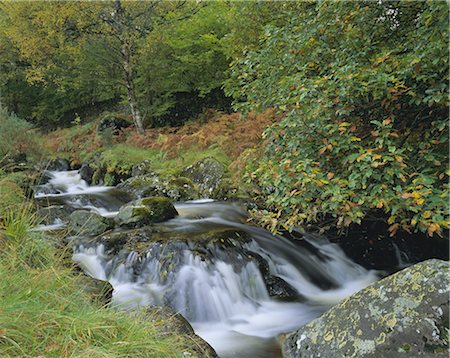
x,y
126,54
129,83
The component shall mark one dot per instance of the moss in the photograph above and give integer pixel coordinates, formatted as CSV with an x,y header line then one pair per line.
x,y
160,208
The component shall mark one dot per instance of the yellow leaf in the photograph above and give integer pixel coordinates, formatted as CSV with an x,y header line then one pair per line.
x,y
380,204
432,228
426,215
330,175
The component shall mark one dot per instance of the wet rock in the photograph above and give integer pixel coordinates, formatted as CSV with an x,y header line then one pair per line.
x,y
112,122
279,288
145,211
168,321
50,214
207,173
58,165
403,315
99,291
87,223
86,173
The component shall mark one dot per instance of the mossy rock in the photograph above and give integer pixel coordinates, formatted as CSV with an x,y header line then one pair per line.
x,y
145,211
402,315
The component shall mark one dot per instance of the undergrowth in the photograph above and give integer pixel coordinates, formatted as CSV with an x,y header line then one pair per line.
x,y
222,136
45,312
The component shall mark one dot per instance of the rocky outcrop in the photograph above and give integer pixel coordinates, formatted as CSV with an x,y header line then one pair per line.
x,y
145,211
85,222
207,173
403,315
150,184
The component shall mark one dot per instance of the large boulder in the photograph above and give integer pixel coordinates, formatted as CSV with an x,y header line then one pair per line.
x,y
207,173
405,314
87,223
145,211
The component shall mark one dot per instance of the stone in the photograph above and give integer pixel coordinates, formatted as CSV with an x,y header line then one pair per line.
x,y
168,321
402,315
50,214
145,212
86,173
178,189
207,173
85,222
112,122
58,165
98,291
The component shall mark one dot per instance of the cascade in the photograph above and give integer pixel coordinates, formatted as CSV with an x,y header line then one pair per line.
x,y
224,292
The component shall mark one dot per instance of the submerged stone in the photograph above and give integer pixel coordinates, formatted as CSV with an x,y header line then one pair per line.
x,y
405,314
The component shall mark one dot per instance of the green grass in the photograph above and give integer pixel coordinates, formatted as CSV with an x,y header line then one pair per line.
x,y
120,158
45,312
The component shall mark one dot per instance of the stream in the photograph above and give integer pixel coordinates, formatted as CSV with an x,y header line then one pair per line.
x,y
232,291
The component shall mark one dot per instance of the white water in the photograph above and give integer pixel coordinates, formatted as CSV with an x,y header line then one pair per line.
x,y
224,298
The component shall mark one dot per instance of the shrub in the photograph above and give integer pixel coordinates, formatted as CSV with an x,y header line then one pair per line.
x,y
363,88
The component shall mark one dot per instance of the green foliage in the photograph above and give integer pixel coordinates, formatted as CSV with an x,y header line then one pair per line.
x,y
364,90
17,136
186,57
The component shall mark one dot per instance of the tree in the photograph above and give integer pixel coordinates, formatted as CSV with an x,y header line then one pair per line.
x,y
53,36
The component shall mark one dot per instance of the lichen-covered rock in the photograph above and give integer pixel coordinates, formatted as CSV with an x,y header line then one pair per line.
x,y
207,173
405,314
87,223
179,189
145,211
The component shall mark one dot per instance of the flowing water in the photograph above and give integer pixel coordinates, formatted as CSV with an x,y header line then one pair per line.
x,y
224,292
